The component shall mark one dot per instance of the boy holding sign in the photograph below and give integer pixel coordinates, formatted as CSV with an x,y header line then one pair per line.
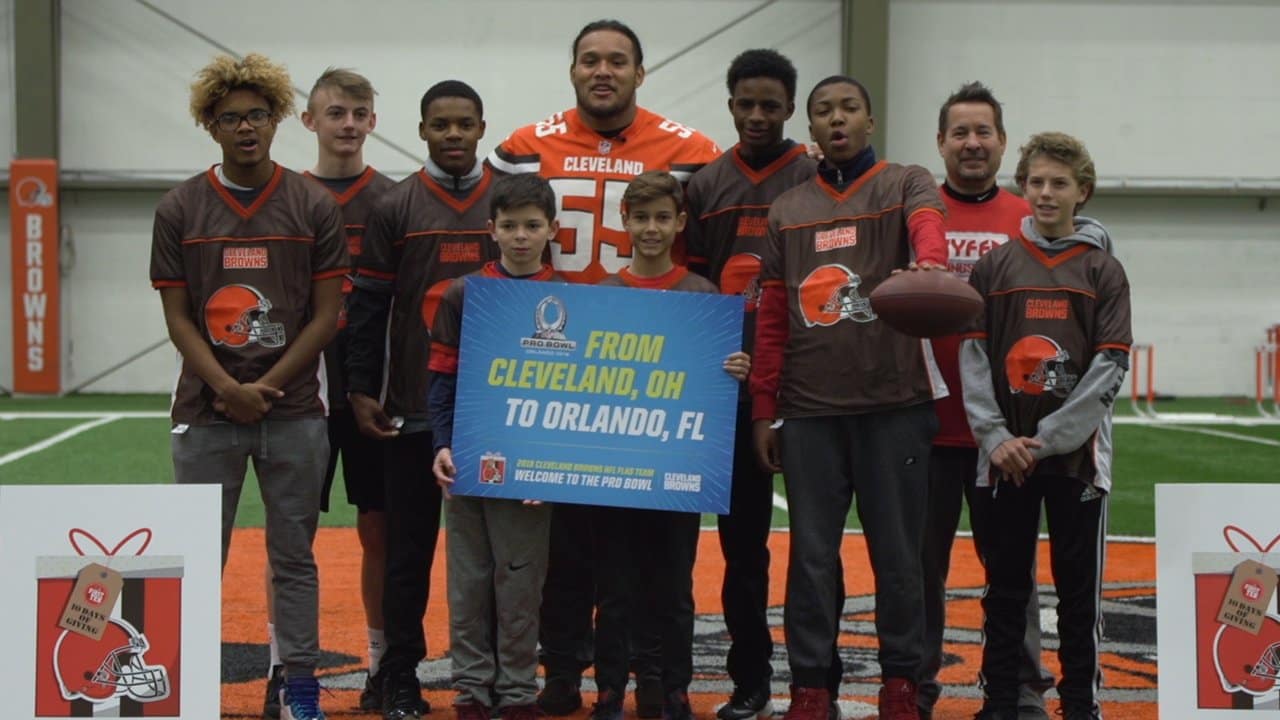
x,y
496,548
645,567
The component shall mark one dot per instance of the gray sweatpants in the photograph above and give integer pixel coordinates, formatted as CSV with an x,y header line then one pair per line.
x,y
497,562
289,458
882,457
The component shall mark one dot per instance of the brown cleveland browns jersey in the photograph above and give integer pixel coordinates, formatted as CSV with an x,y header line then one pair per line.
x,y
420,237
1045,318
728,206
829,249
248,272
356,200
446,336
973,229
678,279
589,173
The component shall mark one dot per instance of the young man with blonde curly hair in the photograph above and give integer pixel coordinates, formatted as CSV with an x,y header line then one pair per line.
x,y
249,258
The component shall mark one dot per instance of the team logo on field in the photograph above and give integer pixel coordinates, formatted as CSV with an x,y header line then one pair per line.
x,y
549,320
830,294
236,316
493,468
1036,365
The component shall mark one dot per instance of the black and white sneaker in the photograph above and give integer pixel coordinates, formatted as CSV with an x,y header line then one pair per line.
x,y
746,703
271,704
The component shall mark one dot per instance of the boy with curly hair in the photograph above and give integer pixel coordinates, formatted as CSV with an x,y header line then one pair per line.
x,y
249,258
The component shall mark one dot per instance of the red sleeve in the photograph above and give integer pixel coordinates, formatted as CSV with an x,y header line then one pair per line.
x,y
924,229
766,360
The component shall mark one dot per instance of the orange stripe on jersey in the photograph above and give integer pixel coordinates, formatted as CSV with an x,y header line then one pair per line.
x,y
758,176
444,359
1113,346
1056,260
857,184
925,209
665,281
770,283
375,274
463,205
254,239
345,197
336,272
721,211
233,203
846,218
1011,291
973,336
157,284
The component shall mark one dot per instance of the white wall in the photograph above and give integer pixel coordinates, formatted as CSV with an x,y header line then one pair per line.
x,y
6,79
1173,89
126,71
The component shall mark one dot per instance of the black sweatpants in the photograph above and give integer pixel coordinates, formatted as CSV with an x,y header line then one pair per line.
x,y
883,458
953,474
413,526
1077,521
744,538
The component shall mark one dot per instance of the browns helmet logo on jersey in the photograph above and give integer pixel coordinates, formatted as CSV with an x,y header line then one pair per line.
x,y
236,315
830,294
1036,365
431,303
1248,663
741,276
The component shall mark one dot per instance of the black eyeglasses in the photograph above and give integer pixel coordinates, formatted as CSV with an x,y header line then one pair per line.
x,y
231,120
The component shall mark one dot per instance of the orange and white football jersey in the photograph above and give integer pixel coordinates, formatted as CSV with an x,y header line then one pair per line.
x,y
589,173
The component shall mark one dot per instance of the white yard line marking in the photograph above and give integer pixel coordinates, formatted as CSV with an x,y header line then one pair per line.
x,y
1219,433
54,440
82,414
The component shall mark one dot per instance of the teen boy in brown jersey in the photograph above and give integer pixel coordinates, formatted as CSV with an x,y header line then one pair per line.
x,y
728,217
980,218
1041,369
425,231
644,563
340,113
248,258
497,549
854,395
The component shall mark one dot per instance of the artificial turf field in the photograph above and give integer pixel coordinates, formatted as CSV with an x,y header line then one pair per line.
x,y
124,439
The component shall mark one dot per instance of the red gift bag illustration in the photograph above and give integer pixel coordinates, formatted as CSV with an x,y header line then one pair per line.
x,y
134,668
1235,668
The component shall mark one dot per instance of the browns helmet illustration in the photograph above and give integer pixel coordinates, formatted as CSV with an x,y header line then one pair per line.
x,y
741,276
830,294
1246,662
113,666
236,315
1036,365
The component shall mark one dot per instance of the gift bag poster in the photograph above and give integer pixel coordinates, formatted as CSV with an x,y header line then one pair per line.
x,y
159,653
1208,669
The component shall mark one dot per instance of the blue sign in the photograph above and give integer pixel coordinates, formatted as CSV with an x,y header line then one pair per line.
x,y
596,395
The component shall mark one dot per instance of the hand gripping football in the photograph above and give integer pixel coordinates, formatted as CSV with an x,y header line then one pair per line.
x,y
926,303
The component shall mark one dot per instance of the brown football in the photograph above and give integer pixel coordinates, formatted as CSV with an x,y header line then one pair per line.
x,y
926,303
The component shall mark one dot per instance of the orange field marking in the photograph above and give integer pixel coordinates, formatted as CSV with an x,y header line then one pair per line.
x,y
1130,574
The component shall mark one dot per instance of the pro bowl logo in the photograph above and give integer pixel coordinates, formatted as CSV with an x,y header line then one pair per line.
x,y
549,321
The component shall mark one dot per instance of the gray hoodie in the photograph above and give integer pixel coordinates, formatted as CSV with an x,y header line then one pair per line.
x,y
1087,408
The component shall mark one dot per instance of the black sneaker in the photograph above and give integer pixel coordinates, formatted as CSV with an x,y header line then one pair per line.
x,y
371,696
271,704
1080,712
988,713
747,703
560,696
402,696
649,697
